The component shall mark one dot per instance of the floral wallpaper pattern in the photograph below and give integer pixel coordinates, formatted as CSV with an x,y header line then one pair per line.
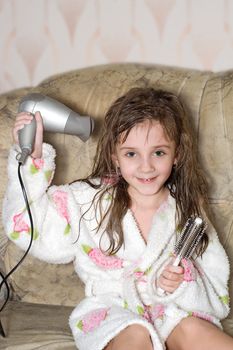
x,y
39,38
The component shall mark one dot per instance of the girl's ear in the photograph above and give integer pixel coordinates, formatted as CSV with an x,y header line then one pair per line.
x,y
115,160
175,159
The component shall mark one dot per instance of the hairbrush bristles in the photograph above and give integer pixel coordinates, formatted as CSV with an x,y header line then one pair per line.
x,y
189,238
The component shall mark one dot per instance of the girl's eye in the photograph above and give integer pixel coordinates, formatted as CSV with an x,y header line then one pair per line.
x,y
159,153
130,154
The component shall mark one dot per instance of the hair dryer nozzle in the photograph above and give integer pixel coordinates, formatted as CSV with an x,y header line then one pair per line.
x,y
80,126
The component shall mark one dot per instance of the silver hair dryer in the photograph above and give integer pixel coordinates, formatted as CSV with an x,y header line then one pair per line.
x,y
56,118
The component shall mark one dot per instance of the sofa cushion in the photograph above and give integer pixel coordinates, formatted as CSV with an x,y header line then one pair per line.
x,y
34,326
45,283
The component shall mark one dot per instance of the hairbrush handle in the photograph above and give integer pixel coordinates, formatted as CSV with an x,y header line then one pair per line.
x,y
187,242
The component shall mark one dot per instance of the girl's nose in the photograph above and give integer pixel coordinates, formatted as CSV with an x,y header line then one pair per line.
x,y
147,165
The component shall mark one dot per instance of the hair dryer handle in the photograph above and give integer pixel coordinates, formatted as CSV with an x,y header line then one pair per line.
x,y
27,139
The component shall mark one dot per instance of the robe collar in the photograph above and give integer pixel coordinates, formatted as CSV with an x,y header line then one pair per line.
x,y
161,232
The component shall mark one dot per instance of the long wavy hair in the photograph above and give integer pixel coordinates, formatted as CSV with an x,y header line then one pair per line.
x,y
186,182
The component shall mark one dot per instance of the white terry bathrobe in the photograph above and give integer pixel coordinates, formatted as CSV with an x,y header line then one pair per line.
x,y
120,289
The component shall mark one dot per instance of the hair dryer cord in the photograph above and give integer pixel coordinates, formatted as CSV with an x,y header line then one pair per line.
x,y
4,278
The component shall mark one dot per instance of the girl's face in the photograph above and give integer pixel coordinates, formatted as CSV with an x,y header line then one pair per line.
x,y
145,159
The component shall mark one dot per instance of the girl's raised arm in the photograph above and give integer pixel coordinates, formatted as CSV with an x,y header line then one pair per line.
x,y
51,208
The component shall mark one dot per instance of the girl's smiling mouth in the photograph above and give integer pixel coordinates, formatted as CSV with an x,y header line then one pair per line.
x,y
146,180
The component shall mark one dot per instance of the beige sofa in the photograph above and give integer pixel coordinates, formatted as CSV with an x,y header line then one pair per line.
x,y
44,295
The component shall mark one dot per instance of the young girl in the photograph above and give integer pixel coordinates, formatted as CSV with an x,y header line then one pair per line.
x,y
119,227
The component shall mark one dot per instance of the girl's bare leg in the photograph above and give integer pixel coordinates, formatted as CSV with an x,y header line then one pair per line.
x,y
196,334
134,337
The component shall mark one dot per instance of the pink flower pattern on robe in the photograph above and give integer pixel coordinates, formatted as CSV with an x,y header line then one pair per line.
x,y
92,320
38,163
189,270
110,179
146,314
202,315
151,312
102,260
157,311
60,199
19,224
140,276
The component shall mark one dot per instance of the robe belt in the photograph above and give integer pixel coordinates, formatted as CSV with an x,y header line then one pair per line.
x,y
96,287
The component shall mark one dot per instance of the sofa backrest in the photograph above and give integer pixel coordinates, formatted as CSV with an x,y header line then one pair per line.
x,y
209,99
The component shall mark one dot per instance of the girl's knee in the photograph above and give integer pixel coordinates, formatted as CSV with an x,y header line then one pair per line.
x,y
138,331
186,332
134,336
194,326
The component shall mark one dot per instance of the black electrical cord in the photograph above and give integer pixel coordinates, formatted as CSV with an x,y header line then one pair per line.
x,y
4,278
4,281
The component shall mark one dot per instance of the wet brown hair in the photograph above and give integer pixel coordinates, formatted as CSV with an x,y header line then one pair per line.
x,y
186,182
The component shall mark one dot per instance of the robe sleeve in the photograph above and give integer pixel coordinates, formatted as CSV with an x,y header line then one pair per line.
x,y
53,209
204,290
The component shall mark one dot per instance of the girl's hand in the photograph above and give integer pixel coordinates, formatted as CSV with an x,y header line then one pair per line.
x,y
171,278
24,118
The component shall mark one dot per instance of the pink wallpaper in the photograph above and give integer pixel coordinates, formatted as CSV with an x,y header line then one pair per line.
x,y
39,38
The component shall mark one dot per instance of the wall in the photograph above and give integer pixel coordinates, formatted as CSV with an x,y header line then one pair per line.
x,y
39,38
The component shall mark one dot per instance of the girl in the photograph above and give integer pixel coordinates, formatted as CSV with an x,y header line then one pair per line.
x,y
119,226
